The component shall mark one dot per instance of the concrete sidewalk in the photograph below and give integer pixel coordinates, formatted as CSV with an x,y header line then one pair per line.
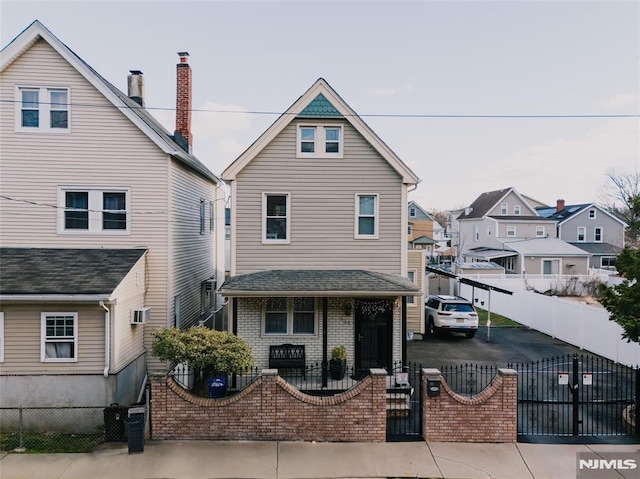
x,y
305,460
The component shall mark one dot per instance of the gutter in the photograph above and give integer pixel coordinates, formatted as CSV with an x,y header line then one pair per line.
x,y
78,298
107,333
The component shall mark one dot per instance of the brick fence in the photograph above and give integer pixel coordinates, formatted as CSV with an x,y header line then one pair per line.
x,y
271,409
490,416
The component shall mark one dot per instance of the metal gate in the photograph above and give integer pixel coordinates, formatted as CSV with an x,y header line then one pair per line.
x,y
404,403
577,398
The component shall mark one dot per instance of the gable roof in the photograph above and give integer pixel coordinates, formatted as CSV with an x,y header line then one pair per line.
x,y
543,247
320,100
412,203
318,283
598,249
487,201
52,271
133,111
570,211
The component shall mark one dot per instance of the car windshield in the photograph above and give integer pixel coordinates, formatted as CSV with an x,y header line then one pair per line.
x,y
465,308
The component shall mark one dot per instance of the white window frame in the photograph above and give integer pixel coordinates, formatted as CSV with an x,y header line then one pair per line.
x,y
43,337
596,230
320,142
412,212
609,258
211,217
511,231
488,230
592,214
583,230
540,232
376,217
95,210
410,230
266,240
290,316
203,228
1,337
504,208
544,260
412,275
476,233
44,108
516,210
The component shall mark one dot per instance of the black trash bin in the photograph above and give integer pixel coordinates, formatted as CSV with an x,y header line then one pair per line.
x,y
114,417
134,425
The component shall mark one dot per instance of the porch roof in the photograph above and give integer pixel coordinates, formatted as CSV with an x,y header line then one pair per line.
x,y
318,283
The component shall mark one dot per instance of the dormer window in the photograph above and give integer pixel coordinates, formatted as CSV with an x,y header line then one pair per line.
x,y
319,141
42,109
504,209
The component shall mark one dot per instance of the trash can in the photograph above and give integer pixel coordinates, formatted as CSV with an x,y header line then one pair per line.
x,y
217,386
134,426
114,417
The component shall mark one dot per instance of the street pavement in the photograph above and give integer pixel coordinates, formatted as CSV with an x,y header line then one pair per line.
x,y
308,460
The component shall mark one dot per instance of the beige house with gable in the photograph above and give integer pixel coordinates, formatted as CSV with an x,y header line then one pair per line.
x,y
118,228
319,237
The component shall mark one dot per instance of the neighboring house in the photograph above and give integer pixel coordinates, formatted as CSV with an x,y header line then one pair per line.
x,y
590,228
415,304
420,222
319,238
111,228
501,226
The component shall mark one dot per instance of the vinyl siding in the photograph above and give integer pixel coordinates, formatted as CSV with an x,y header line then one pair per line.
x,y
612,230
526,229
512,200
415,313
322,195
22,339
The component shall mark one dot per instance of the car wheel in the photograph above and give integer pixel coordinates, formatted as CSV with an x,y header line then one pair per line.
x,y
470,334
431,328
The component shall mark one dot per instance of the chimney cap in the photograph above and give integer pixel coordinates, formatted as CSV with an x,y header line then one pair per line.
x,y
135,72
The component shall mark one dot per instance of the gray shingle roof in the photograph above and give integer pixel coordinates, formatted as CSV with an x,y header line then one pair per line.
x,y
599,248
483,203
317,283
42,271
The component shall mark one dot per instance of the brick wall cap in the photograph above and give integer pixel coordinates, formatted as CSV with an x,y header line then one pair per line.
x,y
507,372
378,372
269,372
431,372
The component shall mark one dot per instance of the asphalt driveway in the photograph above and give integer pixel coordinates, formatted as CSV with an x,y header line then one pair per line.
x,y
506,345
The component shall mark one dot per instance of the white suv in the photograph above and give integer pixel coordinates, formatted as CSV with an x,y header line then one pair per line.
x,y
450,313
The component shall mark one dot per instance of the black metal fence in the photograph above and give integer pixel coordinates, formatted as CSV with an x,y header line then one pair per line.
x,y
577,397
404,402
468,379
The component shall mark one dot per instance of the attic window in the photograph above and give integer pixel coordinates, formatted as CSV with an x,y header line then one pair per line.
x,y
319,141
592,214
42,109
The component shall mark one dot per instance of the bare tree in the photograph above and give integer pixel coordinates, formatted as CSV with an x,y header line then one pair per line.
x,y
620,195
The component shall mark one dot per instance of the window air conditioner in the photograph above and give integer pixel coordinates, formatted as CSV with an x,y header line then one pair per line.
x,y
140,316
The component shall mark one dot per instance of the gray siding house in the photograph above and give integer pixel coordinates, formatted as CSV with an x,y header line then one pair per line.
x,y
119,228
319,236
590,228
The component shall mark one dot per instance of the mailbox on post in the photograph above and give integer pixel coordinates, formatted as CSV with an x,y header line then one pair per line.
x,y
433,387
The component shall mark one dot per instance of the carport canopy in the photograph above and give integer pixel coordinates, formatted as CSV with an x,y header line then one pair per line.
x,y
470,282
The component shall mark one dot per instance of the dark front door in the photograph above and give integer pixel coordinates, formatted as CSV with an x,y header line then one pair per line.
x,y
374,333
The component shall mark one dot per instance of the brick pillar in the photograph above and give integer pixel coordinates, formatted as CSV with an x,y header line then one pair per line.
x,y
379,403
158,407
509,404
269,404
183,100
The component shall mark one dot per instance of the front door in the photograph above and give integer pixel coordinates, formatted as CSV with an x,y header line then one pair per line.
x,y
374,333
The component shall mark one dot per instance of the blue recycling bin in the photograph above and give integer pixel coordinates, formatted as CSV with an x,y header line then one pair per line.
x,y
217,386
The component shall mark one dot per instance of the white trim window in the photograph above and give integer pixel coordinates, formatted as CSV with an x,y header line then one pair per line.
x,y
540,232
582,234
276,224
84,210
608,262
59,337
411,275
597,234
592,214
551,267
319,141
211,217
202,217
412,212
1,337
289,316
516,210
476,233
511,231
410,230
366,221
504,209
488,231
42,109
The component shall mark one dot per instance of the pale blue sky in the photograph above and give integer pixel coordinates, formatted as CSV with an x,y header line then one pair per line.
x,y
390,58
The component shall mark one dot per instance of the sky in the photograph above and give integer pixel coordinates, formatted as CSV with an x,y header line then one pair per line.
x,y
473,96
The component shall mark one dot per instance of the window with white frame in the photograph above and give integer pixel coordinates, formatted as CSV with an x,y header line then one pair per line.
x,y
582,234
366,216
411,274
94,210
511,231
202,217
42,109
211,217
488,230
504,208
550,266
476,233
409,230
275,218
290,316
516,209
608,262
597,234
592,214
59,337
412,212
540,231
1,337
319,141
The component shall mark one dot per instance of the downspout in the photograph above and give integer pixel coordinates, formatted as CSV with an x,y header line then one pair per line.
x,y
107,333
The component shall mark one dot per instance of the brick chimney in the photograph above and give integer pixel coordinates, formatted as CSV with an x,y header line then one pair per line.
x,y
182,134
135,84
559,205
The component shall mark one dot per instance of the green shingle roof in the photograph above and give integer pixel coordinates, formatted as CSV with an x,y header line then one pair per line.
x,y
320,106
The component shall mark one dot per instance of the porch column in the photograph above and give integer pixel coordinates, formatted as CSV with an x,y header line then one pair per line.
x,y
404,330
234,324
325,321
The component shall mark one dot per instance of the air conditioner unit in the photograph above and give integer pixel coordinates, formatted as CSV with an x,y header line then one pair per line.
x,y
140,316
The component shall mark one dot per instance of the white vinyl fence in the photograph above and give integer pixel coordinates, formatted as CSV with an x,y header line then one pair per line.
x,y
585,326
